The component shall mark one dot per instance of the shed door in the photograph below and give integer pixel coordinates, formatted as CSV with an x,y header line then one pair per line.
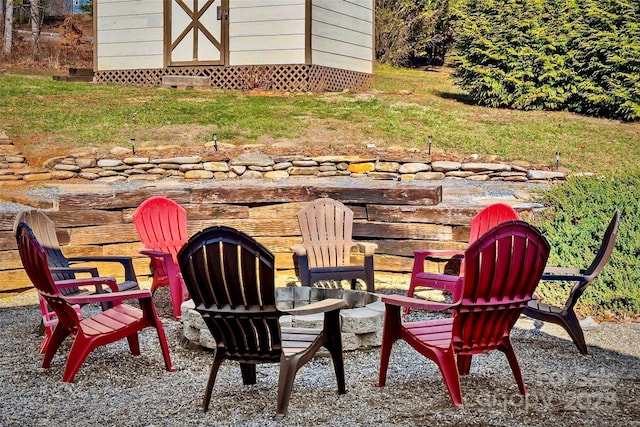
x,y
196,32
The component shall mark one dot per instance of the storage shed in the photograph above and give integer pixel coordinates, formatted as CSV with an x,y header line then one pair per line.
x,y
285,45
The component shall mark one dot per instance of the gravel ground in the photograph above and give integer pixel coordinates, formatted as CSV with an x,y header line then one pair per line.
x,y
115,388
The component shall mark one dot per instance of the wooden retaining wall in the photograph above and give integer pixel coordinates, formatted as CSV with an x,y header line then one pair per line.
x,y
399,217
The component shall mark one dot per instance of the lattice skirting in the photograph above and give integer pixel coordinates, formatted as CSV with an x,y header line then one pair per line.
x,y
285,78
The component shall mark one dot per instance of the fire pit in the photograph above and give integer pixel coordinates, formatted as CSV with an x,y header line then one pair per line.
x,y
361,318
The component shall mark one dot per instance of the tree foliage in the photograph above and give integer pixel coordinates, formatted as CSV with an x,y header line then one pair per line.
x,y
409,31
87,7
573,55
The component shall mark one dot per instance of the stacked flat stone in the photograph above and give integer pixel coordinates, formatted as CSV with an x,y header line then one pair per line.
x,y
248,165
13,165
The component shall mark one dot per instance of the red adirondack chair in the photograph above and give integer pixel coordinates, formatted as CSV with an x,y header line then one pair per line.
x,y
162,227
120,321
64,269
502,269
486,219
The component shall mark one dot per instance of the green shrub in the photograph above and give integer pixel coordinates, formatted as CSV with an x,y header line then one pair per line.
x,y
579,213
574,55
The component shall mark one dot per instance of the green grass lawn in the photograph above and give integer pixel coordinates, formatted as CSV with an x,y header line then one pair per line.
x,y
404,108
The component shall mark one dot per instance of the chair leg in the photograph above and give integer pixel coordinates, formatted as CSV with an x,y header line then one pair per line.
x,y
334,345
571,324
163,345
369,273
134,344
464,364
390,333
248,371
59,334
515,366
176,286
410,292
48,332
80,349
303,267
447,365
217,361
288,369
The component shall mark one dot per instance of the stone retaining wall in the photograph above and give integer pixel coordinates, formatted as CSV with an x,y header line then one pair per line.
x,y
122,165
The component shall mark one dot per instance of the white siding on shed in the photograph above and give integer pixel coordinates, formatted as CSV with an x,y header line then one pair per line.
x,y
265,32
342,34
130,34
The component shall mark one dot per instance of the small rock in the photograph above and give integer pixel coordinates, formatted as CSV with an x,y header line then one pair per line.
x,y
414,167
442,166
119,151
109,163
544,175
198,174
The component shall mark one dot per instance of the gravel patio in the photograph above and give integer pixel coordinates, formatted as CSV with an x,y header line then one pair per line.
x,y
115,388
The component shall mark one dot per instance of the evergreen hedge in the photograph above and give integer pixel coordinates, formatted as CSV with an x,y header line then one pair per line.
x,y
573,55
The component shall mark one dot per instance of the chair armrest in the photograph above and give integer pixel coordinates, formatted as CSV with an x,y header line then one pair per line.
x,y
154,253
437,253
299,250
115,297
367,248
91,281
91,270
323,306
563,273
437,281
126,261
402,301
420,256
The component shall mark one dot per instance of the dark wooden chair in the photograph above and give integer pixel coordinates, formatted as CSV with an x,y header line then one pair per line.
x,y
230,277
565,316
162,226
325,253
63,269
486,219
120,321
502,269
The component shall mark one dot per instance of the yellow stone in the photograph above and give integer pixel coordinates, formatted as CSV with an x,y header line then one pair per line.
x,y
362,167
37,177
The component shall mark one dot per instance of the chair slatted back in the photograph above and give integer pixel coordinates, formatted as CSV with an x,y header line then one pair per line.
x,y
45,232
598,263
161,225
35,264
489,217
230,277
502,269
606,247
326,226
